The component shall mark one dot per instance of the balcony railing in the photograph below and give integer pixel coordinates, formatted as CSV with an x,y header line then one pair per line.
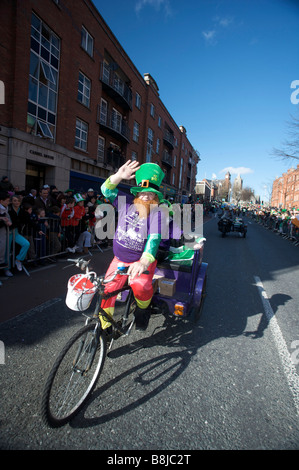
x,y
166,158
115,86
111,122
111,157
168,138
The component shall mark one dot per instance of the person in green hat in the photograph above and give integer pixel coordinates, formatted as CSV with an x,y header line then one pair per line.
x,y
138,233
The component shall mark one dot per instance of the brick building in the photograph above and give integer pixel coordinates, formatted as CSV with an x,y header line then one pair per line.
x,y
75,106
285,190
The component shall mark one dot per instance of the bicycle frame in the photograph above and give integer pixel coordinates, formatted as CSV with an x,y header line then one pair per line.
x,y
99,311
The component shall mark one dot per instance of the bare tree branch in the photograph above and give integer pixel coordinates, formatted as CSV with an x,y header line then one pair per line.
x,y
290,147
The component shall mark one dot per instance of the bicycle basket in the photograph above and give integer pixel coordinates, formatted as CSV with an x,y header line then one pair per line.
x,y
80,292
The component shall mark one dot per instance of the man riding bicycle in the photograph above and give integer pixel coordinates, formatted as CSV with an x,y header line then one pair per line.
x,y
137,236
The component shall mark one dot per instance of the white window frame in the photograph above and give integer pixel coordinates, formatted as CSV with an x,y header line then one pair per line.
x,y
136,131
106,72
87,41
158,145
118,84
84,95
149,146
81,135
101,149
103,111
116,120
138,101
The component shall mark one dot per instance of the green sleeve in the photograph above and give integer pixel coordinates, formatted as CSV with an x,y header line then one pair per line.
x,y
151,246
109,190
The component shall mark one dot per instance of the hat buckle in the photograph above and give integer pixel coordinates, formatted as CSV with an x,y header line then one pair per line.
x,y
144,184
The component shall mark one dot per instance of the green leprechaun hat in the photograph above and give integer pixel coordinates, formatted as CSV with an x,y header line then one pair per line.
x,y
148,178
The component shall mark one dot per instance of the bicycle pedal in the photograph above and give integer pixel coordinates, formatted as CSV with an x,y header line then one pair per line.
x,y
128,331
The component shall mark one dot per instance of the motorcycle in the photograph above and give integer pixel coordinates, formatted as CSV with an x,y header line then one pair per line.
x,y
237,225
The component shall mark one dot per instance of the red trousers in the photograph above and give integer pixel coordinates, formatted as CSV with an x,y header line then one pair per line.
x,y
141,285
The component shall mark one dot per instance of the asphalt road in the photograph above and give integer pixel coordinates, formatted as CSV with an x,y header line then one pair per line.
x,y
229,382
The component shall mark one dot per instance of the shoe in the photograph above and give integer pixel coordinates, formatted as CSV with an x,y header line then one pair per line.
x,y
111,333
142,317
71,250
19,265
8,273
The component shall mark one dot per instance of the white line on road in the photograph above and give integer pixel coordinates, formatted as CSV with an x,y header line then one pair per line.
x,y
288,365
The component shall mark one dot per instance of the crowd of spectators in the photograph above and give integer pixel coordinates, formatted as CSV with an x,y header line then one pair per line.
x,y
284,222
43,223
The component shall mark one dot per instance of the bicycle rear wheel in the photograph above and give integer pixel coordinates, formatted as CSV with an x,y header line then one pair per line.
x,y
74,375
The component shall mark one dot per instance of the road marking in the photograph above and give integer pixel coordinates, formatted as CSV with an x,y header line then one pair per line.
x,y
288,365
39,308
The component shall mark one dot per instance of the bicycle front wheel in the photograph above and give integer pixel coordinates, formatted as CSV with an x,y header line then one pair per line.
x,y
74,375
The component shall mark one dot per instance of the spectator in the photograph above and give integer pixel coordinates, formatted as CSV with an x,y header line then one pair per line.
x,y
16,218
79,212
69,193
42,228
43,200
30,197
55,230
5,223
28,228
61,199
85,237
90,194
66,215
6,185
53,194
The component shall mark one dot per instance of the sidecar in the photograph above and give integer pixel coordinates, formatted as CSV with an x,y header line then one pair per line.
x,y
237,225
181,287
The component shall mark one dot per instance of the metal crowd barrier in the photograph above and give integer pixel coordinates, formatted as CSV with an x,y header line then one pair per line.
x,y
47,243
282,227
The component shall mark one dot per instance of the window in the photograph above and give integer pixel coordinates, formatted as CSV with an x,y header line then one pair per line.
x,y
103,112
106,73
159,121
84,90
181,173
149,147
44,129
116,120
138,101
101,149
152,110
136,132
87,41
158,145
81,135
134,156
43,80
118,84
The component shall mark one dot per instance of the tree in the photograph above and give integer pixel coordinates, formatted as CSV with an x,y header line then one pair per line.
x,y
290,147
247,194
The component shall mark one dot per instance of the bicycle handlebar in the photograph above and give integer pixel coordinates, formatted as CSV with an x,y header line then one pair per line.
x,y
83,264
123,272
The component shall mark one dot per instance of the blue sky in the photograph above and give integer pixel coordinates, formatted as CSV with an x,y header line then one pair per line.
x,y
224,69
